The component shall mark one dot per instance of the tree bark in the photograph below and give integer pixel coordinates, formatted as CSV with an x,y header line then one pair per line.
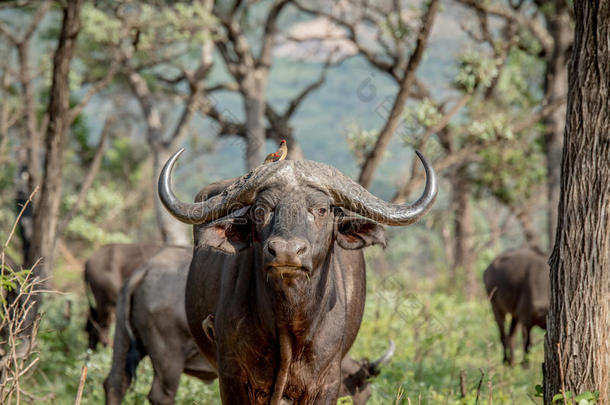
x,y
463,244
579,316
47,210
559,24
254,106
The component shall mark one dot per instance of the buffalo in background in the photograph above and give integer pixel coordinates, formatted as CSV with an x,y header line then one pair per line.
x,y
105,273
517,283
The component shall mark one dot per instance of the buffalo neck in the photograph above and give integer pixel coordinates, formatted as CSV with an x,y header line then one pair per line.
x,y
296,305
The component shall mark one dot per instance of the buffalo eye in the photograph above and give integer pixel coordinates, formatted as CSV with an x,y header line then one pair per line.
x,y
260,213
321,211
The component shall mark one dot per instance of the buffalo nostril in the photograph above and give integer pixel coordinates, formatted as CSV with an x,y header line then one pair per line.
x,y
271,250
272,247
301,249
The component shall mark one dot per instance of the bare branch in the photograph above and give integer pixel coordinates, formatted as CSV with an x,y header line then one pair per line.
x,y
375,156
239,42
93,90
40,13
223,86
371,57
191,106
38,16
94,169
230,61
405,190
531,24
269,32
296,102
4,30
171,81
535,118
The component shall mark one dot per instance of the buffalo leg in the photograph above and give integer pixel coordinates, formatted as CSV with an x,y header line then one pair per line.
x,y
233,389
168,365
105,307
510,340
118,380
501,320
525,330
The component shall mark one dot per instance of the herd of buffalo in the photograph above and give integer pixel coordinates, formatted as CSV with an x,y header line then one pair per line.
x,y
270,298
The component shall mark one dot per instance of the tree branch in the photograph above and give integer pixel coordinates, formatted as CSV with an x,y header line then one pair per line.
x,y
536,117
40,13
223,86
531,24
94,169
380,64
405,190
268,39
375,156
296,102
93,90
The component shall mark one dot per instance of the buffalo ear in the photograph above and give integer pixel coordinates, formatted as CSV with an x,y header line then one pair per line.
x,y
231,236
354,232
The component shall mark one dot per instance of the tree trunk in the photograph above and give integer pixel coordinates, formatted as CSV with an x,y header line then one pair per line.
x,y
47,210
173,232
579,316
463,266
556,87
523,214
254,106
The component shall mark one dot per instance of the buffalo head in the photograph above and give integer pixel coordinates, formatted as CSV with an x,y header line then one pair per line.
x,y
293,211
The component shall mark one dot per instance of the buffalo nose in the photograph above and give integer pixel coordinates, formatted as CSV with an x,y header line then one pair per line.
x,y
288,252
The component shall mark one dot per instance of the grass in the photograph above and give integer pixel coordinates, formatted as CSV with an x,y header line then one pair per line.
x,y
437,335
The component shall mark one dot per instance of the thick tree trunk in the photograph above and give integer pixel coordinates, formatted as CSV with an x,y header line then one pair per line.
x,y
579,317
463,265
47,210
254,106
556,88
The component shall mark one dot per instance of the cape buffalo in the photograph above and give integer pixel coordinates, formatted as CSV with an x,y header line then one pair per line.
x,y
517,283
105,272
278,262
151,321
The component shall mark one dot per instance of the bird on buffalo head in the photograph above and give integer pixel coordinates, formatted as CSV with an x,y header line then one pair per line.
x,y
280,154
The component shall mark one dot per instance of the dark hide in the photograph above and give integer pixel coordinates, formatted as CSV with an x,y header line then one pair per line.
x,y
151,309
105,273
517,283
287,286
151,322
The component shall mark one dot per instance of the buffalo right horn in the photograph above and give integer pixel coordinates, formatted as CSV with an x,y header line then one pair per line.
x,y
385,358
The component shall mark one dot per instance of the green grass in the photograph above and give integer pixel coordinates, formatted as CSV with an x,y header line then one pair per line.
x,y
437,335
